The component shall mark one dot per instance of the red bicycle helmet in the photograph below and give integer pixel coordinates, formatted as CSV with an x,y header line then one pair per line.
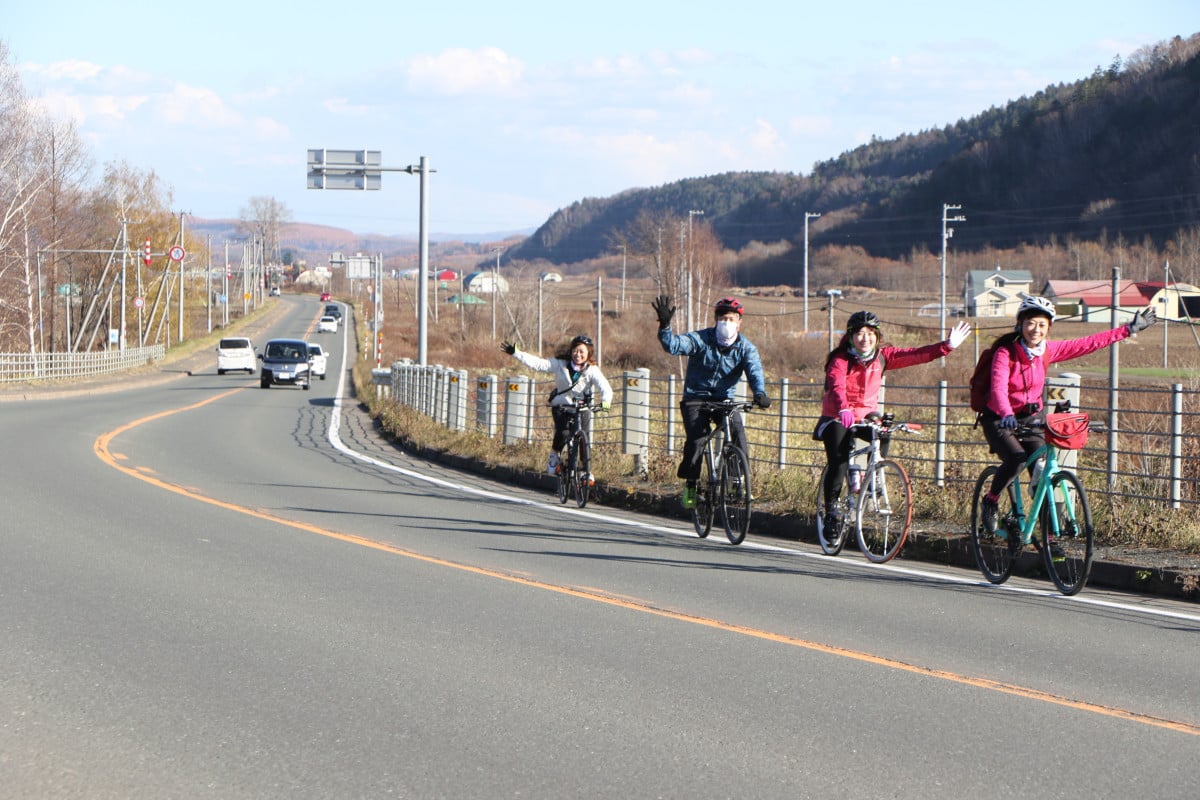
x,y
729,304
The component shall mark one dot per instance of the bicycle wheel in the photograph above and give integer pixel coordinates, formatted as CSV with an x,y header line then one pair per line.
x,y
580,466
735,494
832,541
884,511
703,511
564,476
1068,557
995,551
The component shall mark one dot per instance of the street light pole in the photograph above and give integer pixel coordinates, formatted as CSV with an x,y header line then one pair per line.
x,y
495,289
807,216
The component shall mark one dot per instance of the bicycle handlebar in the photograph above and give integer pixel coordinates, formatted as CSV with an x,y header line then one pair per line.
x,y
720,405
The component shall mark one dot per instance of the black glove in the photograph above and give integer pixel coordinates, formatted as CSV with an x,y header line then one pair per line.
x,y
1142,320
665,310
761,400
1008,423
509,348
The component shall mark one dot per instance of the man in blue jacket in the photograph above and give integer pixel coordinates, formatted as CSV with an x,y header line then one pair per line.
x,y
717,359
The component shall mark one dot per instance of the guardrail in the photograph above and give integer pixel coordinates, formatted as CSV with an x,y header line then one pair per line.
x,y
1148,454
31,367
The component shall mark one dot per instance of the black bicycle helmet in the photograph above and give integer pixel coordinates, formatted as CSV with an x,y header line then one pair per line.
x,y
862,319
583,339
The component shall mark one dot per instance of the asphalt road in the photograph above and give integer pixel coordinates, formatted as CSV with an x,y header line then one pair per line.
x,y
212,590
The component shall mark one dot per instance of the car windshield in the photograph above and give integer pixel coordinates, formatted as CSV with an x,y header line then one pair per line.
x,y
235,344
284,350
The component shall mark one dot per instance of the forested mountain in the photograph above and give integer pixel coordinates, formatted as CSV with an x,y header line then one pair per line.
x,y
1116,154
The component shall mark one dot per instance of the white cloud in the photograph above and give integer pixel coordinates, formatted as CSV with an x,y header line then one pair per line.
x,y
268,130
459,71
196,107
340,105
83,108
66,70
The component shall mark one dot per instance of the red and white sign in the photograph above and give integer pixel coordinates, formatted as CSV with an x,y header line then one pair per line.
x,y
176,253
146,257
138,302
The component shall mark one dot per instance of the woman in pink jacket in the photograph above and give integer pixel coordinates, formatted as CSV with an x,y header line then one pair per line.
x,y
1019,363
853,375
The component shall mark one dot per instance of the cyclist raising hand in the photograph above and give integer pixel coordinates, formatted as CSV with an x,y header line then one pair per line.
x,y
575,375
1019,363
717,358
853,375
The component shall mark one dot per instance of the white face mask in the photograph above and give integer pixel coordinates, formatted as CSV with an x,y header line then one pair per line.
x,y
727,331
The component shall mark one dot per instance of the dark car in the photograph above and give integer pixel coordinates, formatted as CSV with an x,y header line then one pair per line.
x,y
285,361
333,310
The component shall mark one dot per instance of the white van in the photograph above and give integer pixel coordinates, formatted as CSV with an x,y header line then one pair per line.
x,y
236,352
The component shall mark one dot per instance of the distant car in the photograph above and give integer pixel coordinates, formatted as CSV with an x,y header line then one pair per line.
x,y
236,352
325,296
285,362
274,291
327,324
317,358
333,310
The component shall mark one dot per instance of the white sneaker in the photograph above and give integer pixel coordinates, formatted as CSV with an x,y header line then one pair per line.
x,y
589,480
552,464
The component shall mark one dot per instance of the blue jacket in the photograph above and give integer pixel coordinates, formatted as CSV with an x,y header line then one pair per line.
x,y
712,371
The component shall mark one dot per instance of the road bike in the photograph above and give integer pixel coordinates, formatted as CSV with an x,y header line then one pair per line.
x,y
1059,507
877,499
574,470
725,477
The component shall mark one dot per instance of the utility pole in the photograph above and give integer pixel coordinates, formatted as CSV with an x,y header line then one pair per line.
x,y
623,256
692,301
495,290
946,234
181,213
807,216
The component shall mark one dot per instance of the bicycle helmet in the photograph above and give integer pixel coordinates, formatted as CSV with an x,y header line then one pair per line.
x,y
862,319
583,339
1035,306
727,305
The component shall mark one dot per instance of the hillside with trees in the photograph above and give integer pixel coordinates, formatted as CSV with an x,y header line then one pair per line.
x,y
1110,157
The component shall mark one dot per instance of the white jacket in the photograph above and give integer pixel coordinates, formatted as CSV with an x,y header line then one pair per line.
x,y
568,390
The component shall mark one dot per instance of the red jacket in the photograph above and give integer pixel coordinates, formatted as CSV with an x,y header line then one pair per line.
x,y
853,385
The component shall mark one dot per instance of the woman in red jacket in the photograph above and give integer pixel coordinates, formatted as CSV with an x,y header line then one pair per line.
x,y
1019,363
853,375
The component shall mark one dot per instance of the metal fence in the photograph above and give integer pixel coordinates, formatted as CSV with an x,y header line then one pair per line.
x,y
31,367
1148,452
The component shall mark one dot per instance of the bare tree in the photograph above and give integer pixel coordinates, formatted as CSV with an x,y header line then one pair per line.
x,y
265,216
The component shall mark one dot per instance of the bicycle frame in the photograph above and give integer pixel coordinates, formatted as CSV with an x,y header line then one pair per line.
x,y
1041,490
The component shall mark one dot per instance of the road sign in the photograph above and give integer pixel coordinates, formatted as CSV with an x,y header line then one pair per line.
x,y
345,169
138,302
146,257
176,253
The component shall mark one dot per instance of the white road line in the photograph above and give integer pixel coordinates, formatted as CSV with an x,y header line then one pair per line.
x,y
335,440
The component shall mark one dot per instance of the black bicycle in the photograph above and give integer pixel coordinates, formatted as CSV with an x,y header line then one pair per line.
x,y
725,480
574,471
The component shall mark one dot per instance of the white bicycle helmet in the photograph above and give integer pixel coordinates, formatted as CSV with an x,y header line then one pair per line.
x,y
1035,306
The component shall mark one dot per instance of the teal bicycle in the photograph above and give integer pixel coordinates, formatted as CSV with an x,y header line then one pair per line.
x,y
1058,521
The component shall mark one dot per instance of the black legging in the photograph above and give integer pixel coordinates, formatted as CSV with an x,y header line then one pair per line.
x,y
1012,451
696,424
839,443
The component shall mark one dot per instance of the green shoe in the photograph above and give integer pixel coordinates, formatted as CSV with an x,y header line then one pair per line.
x,y
689,497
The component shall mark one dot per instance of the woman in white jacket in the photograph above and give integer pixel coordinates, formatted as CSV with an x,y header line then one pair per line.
x,y
575,375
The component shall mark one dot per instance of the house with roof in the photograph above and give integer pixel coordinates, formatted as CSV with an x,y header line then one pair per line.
x,y
1092,301
996,293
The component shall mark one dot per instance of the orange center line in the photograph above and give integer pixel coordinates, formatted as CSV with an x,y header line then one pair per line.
x,y
102,449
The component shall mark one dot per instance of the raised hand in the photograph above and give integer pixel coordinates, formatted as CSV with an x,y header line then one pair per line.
x,y
509,348
664,309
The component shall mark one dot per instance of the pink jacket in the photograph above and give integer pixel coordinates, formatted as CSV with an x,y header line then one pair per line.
x,y
1018,379
849,384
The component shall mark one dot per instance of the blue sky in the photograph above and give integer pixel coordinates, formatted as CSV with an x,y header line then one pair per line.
x,y
525,107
